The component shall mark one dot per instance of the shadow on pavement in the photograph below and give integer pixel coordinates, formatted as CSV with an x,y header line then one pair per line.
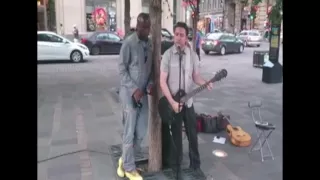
x,y
60,62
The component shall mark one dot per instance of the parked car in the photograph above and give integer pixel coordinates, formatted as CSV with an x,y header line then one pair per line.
x,y
214,31
52,46
103,42
166,41
222,43
251,37
166,34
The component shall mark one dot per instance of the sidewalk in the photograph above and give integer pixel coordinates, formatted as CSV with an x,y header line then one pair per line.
x,y
78,111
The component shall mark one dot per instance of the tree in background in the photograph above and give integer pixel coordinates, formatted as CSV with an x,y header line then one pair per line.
x,y
127,18
275,16
155,146
194,5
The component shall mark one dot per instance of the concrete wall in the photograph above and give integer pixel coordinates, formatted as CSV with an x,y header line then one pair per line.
x,y
70,12
135,9
167,20
181,12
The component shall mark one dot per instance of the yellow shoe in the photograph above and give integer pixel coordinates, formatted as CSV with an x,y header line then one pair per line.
x,y
133,175
120,170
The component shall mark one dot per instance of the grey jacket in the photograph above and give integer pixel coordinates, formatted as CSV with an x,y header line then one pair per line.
x,y
134,71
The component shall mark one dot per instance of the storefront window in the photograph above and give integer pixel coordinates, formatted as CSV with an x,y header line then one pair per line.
x,y
101,15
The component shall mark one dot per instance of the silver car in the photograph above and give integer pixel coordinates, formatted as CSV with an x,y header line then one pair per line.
x,y
250,38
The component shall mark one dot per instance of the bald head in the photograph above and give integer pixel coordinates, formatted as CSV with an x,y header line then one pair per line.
x,y
143,17
143,26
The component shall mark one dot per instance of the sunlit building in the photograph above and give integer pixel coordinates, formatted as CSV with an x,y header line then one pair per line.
x,y
89,15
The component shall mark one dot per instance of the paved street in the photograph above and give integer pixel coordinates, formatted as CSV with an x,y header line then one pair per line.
x,y
77,110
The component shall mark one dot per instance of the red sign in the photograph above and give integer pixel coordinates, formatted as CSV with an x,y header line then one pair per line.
x,y
99,16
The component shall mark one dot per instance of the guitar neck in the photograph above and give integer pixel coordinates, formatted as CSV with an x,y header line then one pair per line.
x,y
195,91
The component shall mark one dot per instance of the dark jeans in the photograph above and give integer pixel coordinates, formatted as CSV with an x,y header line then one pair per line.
x,y
198,53
170,151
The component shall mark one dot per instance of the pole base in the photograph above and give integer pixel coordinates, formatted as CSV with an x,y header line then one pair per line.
x,y
272,75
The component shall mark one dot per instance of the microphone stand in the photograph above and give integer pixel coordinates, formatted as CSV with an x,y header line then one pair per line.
x,y
180,108
179,100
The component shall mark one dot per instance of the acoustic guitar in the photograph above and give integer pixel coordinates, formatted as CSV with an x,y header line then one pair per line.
x,y
237,135
166,112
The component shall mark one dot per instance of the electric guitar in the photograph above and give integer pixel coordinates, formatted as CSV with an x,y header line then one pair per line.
x,y
166,112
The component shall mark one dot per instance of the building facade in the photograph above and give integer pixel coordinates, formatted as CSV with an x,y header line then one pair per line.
x,y
221,15
211,15
109,13
42,23
261,15
231,15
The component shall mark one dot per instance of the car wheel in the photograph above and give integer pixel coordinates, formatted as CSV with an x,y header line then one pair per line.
x,y
207,52
95,50
223,50
240,50
76,56
258,45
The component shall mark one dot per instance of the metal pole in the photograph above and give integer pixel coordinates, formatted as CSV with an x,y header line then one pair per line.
x,y
223,9
241,16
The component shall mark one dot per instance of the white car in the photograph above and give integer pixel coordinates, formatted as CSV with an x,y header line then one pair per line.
x,y
52,46
251,37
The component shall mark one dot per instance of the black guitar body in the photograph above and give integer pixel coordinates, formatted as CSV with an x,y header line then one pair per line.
x,y
166,112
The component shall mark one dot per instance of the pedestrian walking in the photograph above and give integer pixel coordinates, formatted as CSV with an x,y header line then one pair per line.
x,y
75,33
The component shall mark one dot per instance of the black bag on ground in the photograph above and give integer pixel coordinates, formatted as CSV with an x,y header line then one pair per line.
x,y
212,124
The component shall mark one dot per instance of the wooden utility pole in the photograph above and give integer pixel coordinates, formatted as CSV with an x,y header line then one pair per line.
x,y
127,18
155,142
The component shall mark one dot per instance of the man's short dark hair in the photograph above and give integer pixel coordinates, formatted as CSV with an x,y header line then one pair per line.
x,y
181,25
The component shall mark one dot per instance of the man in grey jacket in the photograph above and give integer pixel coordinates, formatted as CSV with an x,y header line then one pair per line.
x,y
135,69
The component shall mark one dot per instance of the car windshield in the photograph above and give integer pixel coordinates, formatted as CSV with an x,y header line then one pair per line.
x,y
214,36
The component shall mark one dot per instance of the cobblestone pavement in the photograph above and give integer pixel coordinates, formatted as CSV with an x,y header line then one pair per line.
x,y
77,110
